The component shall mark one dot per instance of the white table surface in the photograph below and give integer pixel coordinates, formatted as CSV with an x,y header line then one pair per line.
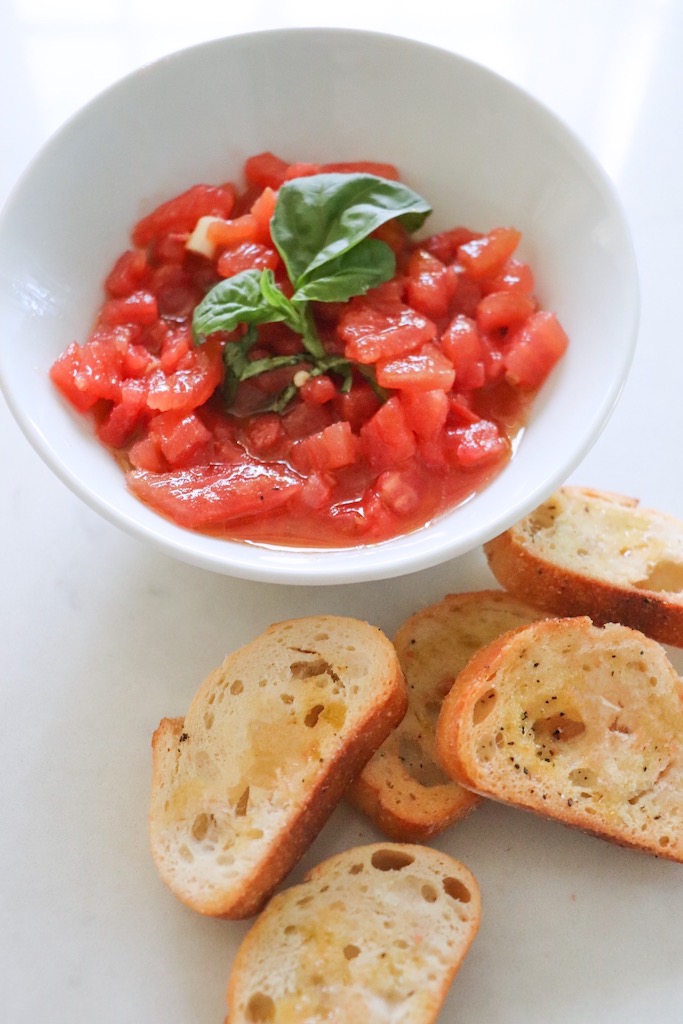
x,y
100,637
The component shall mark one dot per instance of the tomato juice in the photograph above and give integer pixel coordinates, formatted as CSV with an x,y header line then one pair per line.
x,y
351,403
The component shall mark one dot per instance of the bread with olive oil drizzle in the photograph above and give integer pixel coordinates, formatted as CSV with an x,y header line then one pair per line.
x,y
243,783
588,552
402,788
375,934
576,722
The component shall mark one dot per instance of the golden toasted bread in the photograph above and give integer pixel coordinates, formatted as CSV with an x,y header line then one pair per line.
x,y
243,783
576,722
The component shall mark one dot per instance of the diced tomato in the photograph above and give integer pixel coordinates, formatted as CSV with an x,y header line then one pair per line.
x,y
387,438
481,444
263,209
504,310
445,244
85,374
234,232
263,433
302,170
426,411
145,453
465,293
169,247
266,170
486,256
174,348
302,419
124,418
186,389
246,256
136,308
129,273
318,390
534,350
374,330
400,489
181,437
183,212
462,344
206,495
329,449
175,291
357,405
426,370
427,288
317,490
380,170
514,276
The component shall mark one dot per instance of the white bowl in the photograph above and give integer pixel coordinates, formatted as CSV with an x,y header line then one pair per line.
x,y
479,149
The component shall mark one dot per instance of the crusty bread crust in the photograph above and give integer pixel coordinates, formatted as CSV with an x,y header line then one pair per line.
x,y
242,785
574,722
374,934
588,552
403,789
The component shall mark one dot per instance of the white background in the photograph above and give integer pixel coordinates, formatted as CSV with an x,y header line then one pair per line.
x,y
99,637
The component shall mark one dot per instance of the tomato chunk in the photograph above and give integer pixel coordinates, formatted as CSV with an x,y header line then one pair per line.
x,y
426,370
183,212
534,350
488,255
379,330
204,495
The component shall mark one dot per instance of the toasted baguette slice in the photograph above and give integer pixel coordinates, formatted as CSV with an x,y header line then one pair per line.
x,y
586,552
403,788
374,934
242,784
576,722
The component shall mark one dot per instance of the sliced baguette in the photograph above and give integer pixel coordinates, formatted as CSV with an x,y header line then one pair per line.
x,y
374,934
579,723
402,788
242,784
587,552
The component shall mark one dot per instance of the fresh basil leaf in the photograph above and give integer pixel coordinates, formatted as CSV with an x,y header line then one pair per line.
x,y
320,217
237,300
276,299
368,264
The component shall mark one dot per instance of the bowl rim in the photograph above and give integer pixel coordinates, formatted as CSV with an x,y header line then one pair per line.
x,y
392,558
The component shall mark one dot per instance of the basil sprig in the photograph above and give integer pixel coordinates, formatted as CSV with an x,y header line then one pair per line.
x,y
321,228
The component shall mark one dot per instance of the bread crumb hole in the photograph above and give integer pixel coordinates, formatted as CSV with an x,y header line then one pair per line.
x,y
186,853
200,827
313,715
391,860
584,777
355,869
542,519
291,929
666,575
429,893
286,698
457,890
260,1008
351,951
208,719
309,669
484,706
664,841
551,732
321,636
242,804
236,687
